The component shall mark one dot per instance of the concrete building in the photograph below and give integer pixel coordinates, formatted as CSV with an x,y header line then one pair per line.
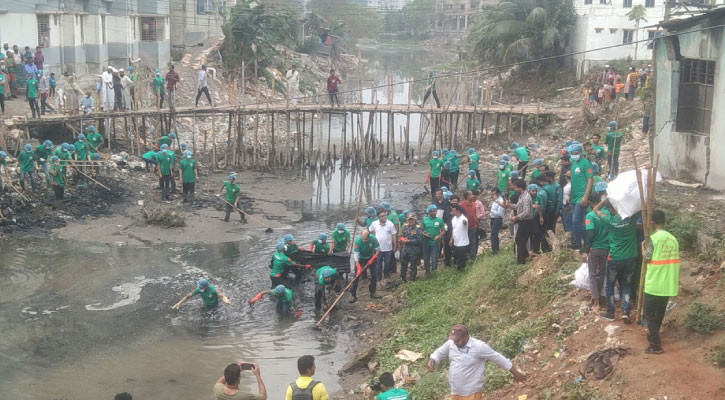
x,y
81,37
383,5
603,23
193,21
690,75
456,15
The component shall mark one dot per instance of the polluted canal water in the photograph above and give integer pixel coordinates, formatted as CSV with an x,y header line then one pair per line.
x,y
87,320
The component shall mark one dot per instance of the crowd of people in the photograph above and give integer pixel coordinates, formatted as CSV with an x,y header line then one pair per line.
x,y
609,85
23,71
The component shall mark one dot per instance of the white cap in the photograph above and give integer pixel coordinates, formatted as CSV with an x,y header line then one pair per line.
x,y
121,70
606,66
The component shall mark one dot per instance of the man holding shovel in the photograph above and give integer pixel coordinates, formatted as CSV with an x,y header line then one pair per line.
x,y
231,197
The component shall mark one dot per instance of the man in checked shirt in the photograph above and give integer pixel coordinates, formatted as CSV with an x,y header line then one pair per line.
x,y
468,357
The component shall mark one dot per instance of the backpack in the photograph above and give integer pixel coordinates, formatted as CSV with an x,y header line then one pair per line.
x,y
299,394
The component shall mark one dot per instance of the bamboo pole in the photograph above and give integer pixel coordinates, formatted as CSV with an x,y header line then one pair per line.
x,y
99,183
406,151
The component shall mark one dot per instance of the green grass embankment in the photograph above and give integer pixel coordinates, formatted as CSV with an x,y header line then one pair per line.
x,y
490,297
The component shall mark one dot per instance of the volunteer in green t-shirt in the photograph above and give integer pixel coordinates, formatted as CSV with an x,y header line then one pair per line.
x,y
622,257
662,279
320,245
614,144
472,183
340,238
81,153
3,82
149,158
386,389
434,175
473,160
285,299
581,185
27,167
433,228
281,264
58,182
595,250
522,154
42,156
166,160
189,175
598,149
94,139
31,92
231,197
210,295
502,181
454,158
431,89
365,250
324,277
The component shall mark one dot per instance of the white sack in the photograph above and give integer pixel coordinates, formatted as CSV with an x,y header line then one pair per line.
x,y
623,192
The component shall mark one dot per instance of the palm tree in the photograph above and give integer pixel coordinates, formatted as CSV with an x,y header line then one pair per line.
x,y
523,29
637,14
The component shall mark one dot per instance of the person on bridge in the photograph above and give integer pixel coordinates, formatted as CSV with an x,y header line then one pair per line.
x,y
324,277
285,297
31,85
340,239
365,252
159,89
210,295
172,79
202,86
332,89
87,103
107,96
320,245
431,89
293,79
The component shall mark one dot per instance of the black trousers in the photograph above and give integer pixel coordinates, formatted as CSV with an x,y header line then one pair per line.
x,y
373,281
454,180
435,97
523,166
44,104
523,234
34,107
447,248
654,313
435,183
460,254
536,229
189,188
165,182
334,98
276,281
204,90
2,102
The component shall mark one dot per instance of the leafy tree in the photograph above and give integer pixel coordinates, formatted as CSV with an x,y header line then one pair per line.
x,y
338,27
637,14
360,21
419,15
253,30
518,30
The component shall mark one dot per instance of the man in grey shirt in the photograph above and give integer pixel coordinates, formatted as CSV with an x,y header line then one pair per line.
x,y
468,358
524,218
227,387
202,86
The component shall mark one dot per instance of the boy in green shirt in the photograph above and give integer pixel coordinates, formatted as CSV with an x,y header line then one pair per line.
x,y
231,198
472,183
595,251
31,85
522,154
364,252
165,159
598,149
325,276
340,238
387,390
473,159
25,158
285,299
189,175
210,295
95,139
454,158
614,144
320,245
42,155
58,181
502,181
159,89
581,185
434,175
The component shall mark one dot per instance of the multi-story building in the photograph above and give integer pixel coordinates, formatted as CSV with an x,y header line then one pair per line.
x,y
604,24
387,4
193,21
82,37
456,15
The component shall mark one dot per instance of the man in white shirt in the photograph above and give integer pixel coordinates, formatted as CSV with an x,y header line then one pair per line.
x,y
459,239
468,357
293,79
202,86
385,231
498,211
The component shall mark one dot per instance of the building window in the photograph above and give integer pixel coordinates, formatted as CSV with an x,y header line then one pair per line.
x,y
43,31
598,30
613,30
152,29
628,36
587,1
651,35
603,1
694,102
627,3
475,5
649,3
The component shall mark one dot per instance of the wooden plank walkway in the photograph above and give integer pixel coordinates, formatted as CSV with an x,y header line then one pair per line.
x,y
280,107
